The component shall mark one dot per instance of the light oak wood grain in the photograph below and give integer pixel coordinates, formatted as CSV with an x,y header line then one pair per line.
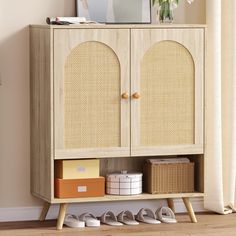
x,y
41,113
170,203
193,41
111,165
189,208
167,150
198,172
64,42
45,210
61,216
92,153
122,26
111,198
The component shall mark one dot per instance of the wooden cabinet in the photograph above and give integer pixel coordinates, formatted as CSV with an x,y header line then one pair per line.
x,y
120,91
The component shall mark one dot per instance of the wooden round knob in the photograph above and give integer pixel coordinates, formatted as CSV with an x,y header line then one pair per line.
x,y
125,95
136,95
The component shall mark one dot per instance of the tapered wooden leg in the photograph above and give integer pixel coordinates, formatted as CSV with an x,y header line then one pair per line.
x,y
170,203
61,215
189,208
44,212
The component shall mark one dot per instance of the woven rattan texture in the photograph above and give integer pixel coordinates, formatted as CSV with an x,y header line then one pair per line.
x,y
169,178
92,97
167,91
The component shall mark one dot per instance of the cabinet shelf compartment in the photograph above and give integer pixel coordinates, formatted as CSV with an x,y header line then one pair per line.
x,y
135,164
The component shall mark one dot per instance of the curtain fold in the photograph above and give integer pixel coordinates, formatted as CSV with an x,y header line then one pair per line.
x,y
220,178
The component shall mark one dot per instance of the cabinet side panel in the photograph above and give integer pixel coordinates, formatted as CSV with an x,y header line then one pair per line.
x,y
198,172
40,112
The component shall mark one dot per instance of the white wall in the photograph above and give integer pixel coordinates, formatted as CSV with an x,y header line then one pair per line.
x,y
15,16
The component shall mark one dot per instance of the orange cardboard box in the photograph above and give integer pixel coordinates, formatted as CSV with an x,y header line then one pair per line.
x,y
76,188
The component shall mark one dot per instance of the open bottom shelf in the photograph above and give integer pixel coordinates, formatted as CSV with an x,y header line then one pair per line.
x,y
144,196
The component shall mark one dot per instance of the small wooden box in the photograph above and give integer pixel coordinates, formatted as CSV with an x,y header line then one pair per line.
x,y
76,188
168,177
77,169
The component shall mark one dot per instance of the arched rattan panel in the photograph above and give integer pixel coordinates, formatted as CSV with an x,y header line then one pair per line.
x,y
167,95
92,97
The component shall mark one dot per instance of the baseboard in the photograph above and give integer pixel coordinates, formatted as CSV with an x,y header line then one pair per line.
x,y
32,213
197,204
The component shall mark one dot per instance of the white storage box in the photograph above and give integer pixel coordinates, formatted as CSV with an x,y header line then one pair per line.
x,y
124,183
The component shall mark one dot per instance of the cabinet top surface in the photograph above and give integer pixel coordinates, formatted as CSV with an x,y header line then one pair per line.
x,y
119,26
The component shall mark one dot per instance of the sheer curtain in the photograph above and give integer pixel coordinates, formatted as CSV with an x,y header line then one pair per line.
x,y
220,179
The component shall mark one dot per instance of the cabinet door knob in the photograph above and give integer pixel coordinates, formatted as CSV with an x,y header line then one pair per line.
x,y
125,95
136,95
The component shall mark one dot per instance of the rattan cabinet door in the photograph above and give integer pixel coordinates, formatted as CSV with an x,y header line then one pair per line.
x,y
91,91
167,74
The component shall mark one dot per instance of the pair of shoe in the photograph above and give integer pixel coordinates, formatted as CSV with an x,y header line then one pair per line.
x,y
86,219
123,218
108,218
163,214
145,215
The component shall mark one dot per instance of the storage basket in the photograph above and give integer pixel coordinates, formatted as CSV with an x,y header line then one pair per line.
x,y
168,177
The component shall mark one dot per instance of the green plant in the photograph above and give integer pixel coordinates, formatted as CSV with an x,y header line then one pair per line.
x,y
166,8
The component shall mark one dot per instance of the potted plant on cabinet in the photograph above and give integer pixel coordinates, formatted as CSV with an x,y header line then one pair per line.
x,y
166,8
